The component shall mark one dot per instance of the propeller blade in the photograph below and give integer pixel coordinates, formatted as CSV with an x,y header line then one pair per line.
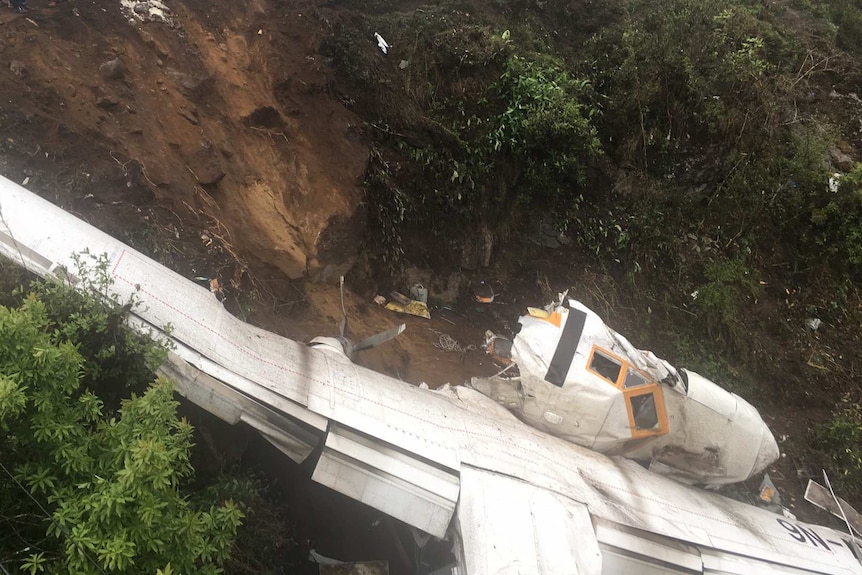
x,y
377,339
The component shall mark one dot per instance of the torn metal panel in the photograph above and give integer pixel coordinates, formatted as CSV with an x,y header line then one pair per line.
x,y
396,483
509,526
822,498
290,436
623,547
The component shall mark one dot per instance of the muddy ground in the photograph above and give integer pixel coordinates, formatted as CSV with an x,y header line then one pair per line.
x,y
214,139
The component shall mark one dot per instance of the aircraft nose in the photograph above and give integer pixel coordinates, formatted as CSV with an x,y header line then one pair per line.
x,y
767,453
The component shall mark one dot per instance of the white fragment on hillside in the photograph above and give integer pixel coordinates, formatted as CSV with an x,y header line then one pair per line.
x,y
381,43
147,11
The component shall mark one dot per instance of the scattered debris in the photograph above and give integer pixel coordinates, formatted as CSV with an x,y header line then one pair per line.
x,y
26,181
408,306
316,557
499,348
813,323
825,499
483,293
403,64
381,43
448,343
216,289
834,182
419,293
379,300
768,496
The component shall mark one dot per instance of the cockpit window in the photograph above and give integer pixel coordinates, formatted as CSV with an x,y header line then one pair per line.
x,y
644,411
643,397
606,366
634,378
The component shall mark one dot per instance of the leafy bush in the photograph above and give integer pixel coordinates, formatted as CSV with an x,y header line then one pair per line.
x,y
680,73
841,440
87,488
729,284
838,222
546,127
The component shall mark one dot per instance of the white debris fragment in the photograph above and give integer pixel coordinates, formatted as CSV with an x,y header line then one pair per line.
x,y
381,43
148,11
835,182
813,323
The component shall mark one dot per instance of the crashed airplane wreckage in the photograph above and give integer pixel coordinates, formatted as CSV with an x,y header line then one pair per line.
x,y
582,381
454,464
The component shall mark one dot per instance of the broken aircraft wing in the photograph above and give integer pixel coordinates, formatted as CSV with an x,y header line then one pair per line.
x,y
453,464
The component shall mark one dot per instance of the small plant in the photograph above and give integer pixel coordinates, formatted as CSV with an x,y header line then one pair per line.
x,y
729,284
838,223
841,440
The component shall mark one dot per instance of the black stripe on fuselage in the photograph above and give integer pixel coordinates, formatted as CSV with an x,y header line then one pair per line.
x,y
566,347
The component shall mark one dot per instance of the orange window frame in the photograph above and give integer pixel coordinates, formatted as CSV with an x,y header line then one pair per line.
x,y
623,363
660,410
651,387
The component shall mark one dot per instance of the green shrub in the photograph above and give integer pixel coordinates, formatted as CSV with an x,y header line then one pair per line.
x,y
841,440
88,487
729,286
838,223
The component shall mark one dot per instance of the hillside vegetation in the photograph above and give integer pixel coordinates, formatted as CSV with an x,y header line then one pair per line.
x,y
687,149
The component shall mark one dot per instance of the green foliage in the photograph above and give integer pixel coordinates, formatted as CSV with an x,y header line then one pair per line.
x,y
841,440
679,73
386,205
527,143
849,35
838,222
96,326
729,284
109,480
546,128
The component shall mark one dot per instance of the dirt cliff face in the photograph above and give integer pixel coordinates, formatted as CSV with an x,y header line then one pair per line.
x,y
221,113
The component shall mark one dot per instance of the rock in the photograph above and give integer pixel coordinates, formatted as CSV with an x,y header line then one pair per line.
x,y
190,115
106,101
112,69
191,86
205,166
841,160
18,68
142,8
